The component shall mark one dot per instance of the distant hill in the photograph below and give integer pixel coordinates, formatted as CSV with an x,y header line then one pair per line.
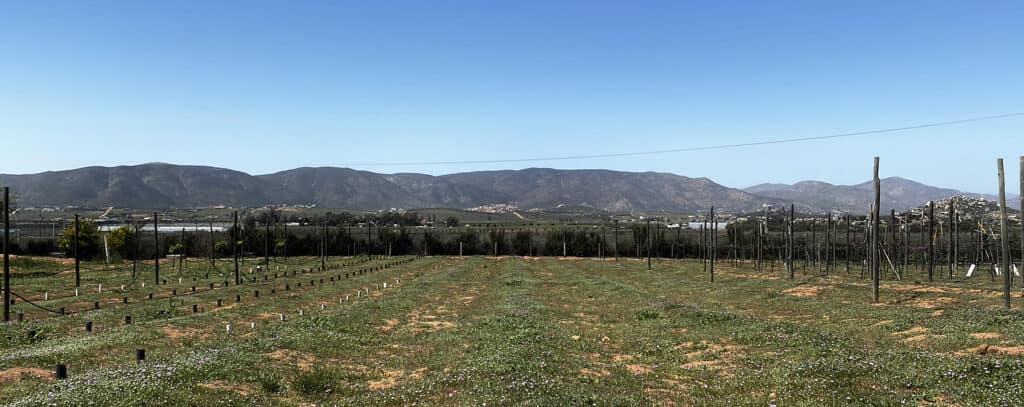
x,y
897,193
166,185
177,186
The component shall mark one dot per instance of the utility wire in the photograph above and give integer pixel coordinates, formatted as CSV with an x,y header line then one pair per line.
x,y
698,148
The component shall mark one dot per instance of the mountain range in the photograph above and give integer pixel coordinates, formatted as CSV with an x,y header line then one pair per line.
x,y
159,185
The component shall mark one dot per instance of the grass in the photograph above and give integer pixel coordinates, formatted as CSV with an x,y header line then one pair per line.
x,y
509,331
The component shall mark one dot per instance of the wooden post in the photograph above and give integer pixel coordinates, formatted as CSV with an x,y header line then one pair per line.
x,y
760,230
181,258
234,247
213,258
78,277
156,248
895,249
648,244
789,242
714,242
1021,193
949,237
704,243
7,256
875,270
1004,238
931,239
847,251
266,241
616,239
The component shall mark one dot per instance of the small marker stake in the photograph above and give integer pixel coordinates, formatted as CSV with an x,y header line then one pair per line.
x,y
140,355
61,371
227,328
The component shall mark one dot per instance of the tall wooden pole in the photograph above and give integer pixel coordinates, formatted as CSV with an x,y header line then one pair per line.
x,y
704,243
213,258
931,239
78,277
7,258
234,247
848,247
895,249
956,240
616,239
760,230
266,241
949,237
875,270
789,242
648,243
156,249
1021,192
713,235
184,252
1004,237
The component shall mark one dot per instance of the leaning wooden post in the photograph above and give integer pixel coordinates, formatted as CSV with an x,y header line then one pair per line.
x,y
875,270
931,239
78,277
1003,237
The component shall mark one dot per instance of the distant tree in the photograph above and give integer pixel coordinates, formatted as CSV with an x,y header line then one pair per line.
x,y
450,221
123,241
88,239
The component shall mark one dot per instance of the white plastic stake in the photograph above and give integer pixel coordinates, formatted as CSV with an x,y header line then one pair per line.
x,y
252,325
46,296
228,328
282,316
300,313
100,288
76,292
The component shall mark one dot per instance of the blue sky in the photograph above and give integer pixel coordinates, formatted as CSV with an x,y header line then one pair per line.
x,y
266,86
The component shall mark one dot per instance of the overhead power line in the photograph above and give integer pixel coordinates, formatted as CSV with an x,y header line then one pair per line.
x,y
697,148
